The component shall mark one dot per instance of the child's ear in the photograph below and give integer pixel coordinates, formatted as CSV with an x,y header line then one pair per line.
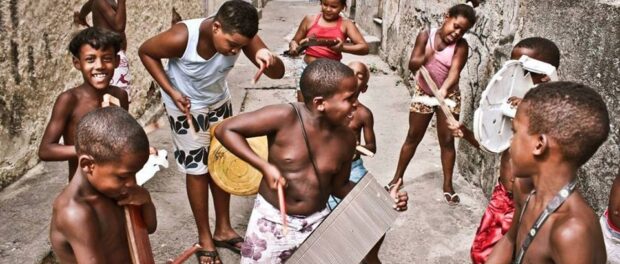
x,y
86,163
542,144
76,63
319,103
216,27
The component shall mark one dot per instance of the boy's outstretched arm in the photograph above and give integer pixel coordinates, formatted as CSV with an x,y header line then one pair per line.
x,y
260,55
232,133
418,54
115,18
458,62
168,44
78,223
50,149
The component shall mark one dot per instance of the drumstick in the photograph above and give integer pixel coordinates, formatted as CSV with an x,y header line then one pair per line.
x,y
258,74
185,255
437,94
364,151
192,129
282,203
138,236
108,100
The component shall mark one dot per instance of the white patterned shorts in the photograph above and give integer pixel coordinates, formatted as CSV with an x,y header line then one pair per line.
x,y
191,152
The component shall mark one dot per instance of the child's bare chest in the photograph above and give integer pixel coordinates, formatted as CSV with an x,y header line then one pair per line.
x,y
539,249
112,229
327,154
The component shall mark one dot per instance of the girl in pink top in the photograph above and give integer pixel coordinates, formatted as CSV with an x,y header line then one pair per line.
x,y
443,52
328,24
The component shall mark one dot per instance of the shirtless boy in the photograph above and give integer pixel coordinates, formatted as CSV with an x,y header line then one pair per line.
x,y
88,221
94,55
110,15
558,127
311,167
499,214
362,121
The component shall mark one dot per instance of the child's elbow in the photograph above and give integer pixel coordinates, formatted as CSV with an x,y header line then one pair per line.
x,y
43,153
152,227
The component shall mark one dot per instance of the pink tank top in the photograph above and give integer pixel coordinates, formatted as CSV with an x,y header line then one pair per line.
x,y
325,32
438,65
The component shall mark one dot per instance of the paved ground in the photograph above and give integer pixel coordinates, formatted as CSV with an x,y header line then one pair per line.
x,y
429,232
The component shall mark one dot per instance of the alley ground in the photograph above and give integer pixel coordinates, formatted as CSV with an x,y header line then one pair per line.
x,y
429,232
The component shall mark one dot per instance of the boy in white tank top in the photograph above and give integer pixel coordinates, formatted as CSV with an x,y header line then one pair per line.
x,y
202,52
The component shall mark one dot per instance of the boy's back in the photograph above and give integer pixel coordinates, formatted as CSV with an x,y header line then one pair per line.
x,y
110,15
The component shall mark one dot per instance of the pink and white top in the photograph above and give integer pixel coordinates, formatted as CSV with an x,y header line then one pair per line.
x,y
438,65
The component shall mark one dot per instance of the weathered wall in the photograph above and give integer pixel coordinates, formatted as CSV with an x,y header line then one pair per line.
x,y
586,33
35,67
366,11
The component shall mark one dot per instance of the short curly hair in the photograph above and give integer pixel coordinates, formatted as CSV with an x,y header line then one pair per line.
x,y
322,77
465,11
98,38
544,48
108,132
571,113
238,16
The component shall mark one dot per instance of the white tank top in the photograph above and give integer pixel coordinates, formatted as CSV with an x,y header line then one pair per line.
x,y
203,81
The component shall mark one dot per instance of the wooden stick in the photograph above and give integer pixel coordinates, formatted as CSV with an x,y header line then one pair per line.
x,y
192,128
258,74
185,255
282,203
109,100
138,236
365,151
437,94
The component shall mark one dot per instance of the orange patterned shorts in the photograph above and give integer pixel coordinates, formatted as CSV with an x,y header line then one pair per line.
x,y
427,104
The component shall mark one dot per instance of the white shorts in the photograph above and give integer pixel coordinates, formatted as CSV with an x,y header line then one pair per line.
x,y
191,152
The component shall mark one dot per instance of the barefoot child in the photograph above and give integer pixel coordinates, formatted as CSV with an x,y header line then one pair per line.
x,y
610,223
558,127
443,52
310,150
498,216
201,53
327,25
110,15
88,221
362,121
94,55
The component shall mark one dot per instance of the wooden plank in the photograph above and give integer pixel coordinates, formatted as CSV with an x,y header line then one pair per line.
x,y
352,229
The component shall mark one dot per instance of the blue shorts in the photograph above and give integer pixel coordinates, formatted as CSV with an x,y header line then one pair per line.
x,y
358,171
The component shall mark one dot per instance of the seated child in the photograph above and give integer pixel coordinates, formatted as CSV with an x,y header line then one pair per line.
x,y
555,224
362,120
310,150
94,55
498,216
330,25
88,220
610,223
443,52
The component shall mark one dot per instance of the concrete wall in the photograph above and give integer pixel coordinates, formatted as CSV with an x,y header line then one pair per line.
x,y
586,33
363,12
35,67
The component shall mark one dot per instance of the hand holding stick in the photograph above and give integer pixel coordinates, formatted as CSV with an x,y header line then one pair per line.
x,y
282,203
